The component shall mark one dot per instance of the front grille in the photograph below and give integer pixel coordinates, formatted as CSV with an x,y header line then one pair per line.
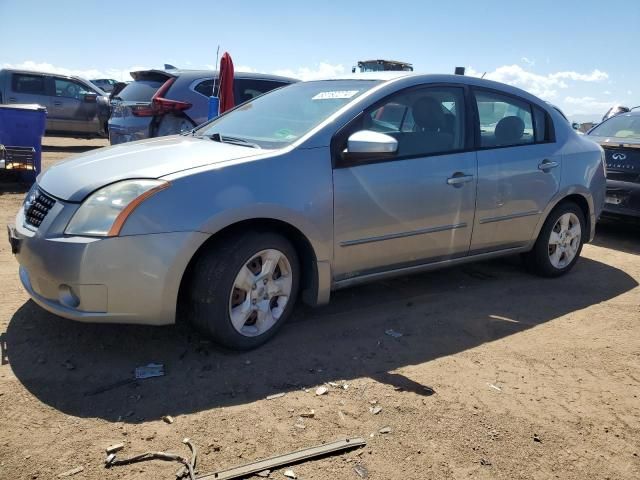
x,y
623,163
36,207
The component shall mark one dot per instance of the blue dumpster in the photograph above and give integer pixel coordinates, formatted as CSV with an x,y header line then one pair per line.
x,y
21,131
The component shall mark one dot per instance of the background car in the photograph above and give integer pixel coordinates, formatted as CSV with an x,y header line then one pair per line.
x,y
310,188
619,136
166,102
105,84
71,102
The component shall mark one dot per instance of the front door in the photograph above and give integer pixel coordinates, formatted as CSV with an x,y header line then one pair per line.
x,y
518,171
417,206
69,109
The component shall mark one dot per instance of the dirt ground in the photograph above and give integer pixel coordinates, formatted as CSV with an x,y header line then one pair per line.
x,y
533,378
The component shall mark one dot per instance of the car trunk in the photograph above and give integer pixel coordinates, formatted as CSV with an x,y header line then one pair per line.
x,y
132,113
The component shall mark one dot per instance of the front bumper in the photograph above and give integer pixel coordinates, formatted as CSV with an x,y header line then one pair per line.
x,y
130,279
623,199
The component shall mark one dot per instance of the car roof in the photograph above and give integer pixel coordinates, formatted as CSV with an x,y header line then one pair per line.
x,y
196,74
413,78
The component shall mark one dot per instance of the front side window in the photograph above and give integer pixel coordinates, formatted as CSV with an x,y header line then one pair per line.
x,y
70,89
282,116
32,84
424,121
504,121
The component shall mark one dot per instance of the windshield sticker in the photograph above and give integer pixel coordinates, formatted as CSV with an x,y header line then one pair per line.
x,y
334,94
285,133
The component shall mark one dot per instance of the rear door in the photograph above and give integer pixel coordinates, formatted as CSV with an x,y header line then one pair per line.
x,y
519,167
73,106
28,88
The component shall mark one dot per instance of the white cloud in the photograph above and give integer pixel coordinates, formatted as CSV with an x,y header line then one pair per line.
x,y
544,86
322,70
587,105
607,92
528,61
115,73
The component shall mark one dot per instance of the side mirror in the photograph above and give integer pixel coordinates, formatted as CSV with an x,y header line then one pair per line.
x,y
90,97
370,144
575,126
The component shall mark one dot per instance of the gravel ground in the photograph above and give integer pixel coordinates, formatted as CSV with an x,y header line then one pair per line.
x,y
533,378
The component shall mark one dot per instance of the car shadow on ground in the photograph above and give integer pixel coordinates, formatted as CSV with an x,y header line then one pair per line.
x,y
619,234
85,369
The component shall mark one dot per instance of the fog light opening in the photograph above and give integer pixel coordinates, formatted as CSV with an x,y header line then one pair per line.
x,y
67,297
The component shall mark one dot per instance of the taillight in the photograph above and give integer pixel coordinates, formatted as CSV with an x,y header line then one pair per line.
x,y
160,105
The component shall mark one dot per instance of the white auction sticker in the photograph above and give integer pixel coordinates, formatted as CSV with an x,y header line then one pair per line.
x,y
335,94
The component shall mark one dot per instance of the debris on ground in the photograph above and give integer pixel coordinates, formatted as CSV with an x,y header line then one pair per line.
x,y
290,474
362,471
310,414
276,395
116,447
149,371
264,473
392,333
70,473
68,365
491,385
536,438
375,410
189,465
244,471
485,462
168,419
322,390
385,430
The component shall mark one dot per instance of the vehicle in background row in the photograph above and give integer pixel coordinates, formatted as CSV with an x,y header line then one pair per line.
x,y
105,84
72,103
310,188
167,102
620,137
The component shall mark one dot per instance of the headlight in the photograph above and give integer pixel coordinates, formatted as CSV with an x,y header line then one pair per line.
x,y
104,212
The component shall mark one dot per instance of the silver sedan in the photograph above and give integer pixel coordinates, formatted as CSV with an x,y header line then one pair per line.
x,y
312,187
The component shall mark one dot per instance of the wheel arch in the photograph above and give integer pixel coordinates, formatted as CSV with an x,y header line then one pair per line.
x,y
309,282
578,195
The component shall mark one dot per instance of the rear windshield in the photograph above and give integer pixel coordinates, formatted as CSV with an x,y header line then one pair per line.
x,y
140,90
620,126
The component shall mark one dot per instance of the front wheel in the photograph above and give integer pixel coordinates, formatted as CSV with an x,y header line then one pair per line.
x,y
560,242
245,288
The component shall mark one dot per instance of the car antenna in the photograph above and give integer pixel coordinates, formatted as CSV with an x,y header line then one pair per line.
x,y
483,75
213,91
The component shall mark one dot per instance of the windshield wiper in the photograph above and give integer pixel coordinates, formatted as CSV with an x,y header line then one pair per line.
x,y
216,137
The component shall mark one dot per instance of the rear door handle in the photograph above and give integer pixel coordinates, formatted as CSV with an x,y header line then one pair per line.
x,y
547,165
13,100
57,104
458,179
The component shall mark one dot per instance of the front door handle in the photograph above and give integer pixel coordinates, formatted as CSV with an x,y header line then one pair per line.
x,y
57,104
458,179
13,100
547,165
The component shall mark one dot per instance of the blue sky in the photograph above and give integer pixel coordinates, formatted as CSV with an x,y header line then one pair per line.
x,y
576,54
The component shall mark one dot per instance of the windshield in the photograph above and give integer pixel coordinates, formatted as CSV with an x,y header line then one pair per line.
x,y
279,118
620,126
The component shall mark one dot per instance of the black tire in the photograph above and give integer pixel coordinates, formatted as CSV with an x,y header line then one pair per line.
x,y
213,280
537,260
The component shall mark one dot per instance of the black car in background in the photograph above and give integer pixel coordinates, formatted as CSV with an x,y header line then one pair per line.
x,y
619,136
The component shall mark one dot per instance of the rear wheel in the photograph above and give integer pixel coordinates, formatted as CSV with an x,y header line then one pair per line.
x,y
560,242
245,288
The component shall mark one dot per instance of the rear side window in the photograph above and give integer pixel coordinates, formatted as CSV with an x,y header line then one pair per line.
x,y
206,88
24,83
248,88
140,90
504,120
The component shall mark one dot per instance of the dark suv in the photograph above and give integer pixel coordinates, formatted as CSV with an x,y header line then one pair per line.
x,y
166,102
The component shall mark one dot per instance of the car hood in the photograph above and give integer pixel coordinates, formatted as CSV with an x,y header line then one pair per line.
x,y
77,177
